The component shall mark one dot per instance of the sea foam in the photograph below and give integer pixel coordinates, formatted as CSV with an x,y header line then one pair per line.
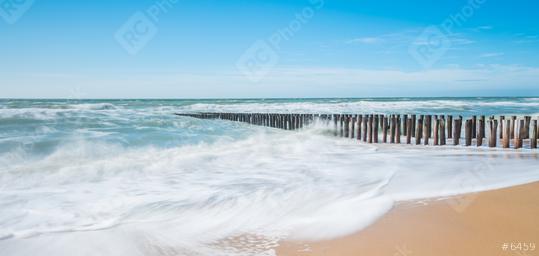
x,y
137,180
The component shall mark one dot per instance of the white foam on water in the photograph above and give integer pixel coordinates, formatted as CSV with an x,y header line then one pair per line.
x,y
98,198
97,179
363,106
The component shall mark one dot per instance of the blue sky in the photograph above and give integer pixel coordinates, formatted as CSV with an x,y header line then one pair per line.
x,y
254,48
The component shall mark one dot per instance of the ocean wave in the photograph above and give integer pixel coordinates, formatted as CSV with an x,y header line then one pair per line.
x,y
94,106
131,178
370,106
272,184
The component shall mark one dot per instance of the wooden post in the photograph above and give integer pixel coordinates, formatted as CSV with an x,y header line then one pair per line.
x,y
493,125
501,122
442,131
506,134
426,130
393,129
468,132
365,124
409,131
405,124
353,129
335,120
525,131
457,131
479,140
375,130
359,123
370,128
519,125
533,138
384,130
449,126
428,122
513,124
436,136
474,127
341,122
398,133
418,131
346,126
482,130
413,125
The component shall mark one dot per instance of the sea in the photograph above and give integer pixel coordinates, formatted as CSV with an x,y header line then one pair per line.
x,y
128,177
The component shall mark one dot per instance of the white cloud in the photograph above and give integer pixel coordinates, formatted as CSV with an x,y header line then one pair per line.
x,y
366,40
482,28
461,41
491,54
523,38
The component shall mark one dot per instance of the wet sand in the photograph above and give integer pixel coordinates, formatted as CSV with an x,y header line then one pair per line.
x,y
472,224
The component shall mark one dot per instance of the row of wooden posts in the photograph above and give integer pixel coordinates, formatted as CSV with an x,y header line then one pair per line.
x,y
506,132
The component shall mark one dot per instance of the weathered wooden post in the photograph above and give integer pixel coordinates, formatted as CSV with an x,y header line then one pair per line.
x,y
480,135
341,130
335,121
409,130
449,126
405,124
442,131
398,132
370,128
384,129
513,124
353,129
436,137
474,127
493,136
506,134
482,130
501,123
359,123
393,129
375,131
413,125
533,138
365,125
418,131
457,123
525,130
428,122
518,139
346,126
468,132
426,130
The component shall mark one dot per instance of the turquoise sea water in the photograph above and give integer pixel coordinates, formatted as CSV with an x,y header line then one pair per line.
x,y
127,177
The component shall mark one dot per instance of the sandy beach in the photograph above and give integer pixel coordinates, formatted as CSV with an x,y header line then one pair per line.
x,y
473,224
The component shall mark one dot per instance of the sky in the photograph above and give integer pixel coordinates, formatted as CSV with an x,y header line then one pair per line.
x,y
267,49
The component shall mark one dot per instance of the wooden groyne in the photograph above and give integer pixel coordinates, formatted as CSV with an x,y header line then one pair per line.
x,y
433,130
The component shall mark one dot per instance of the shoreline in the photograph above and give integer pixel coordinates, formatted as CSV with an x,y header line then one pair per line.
x,y
480,223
